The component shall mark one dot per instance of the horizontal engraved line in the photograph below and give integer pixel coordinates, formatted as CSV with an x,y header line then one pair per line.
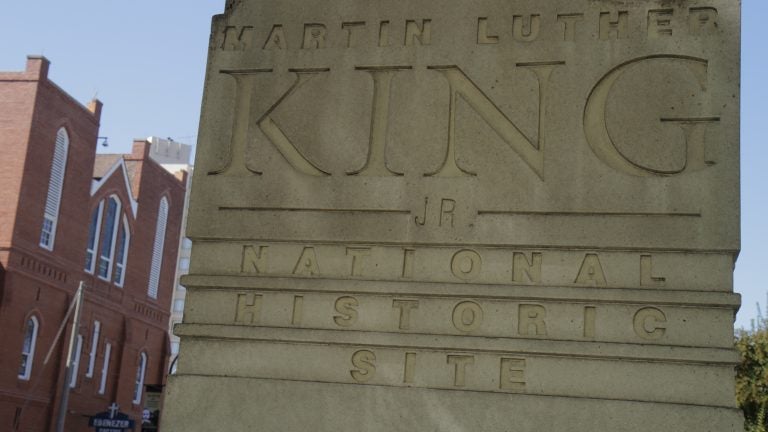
x,y
584,214
382,68
190,283
585,294
442,67
315,210
690,119
244,71
542,63
462,390
234,332
564,247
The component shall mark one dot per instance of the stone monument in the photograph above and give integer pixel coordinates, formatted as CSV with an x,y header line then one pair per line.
x,y
487,215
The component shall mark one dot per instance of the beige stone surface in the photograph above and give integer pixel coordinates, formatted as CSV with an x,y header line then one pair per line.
x,y
496,215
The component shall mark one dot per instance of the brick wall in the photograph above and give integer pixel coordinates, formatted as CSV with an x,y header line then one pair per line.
x,y
35,281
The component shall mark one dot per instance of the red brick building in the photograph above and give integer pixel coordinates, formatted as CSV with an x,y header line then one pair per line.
x,y
68,215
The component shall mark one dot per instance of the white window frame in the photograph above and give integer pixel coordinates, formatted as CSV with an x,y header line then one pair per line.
x,y
76,361
105,368
110,259
27,374
161,229
53,197
94,248
122,265
141,371
178,305
94,347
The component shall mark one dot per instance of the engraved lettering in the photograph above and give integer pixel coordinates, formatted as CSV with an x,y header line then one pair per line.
x,y
346,307
605,149
460,363
405,307
307,264
276,39
384,34
248,309
408,256
350,27
447,209
649,323
512,376
365,362
254,261
569,25
409,371
614,25
702,20
523,269
237,164
483,38
591,272
298,310
646,273
590,318
413,32
532,316
422,220
695,132
357,254
526,28
466,265
460,85
314,36
660,23
376,164
467,316
237,38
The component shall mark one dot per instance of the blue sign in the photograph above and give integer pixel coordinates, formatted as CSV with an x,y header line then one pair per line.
x,y
111,421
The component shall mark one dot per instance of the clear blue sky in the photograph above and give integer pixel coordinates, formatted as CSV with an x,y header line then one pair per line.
x,y
146,60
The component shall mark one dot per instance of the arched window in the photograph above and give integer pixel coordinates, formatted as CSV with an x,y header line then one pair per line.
x,y
94,229
140,372
111,224
28,348
55,187
122,253
157,250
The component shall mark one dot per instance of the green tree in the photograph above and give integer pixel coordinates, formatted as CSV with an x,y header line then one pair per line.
x,y
752,374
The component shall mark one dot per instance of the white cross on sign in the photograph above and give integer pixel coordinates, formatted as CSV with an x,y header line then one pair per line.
x,y
113,409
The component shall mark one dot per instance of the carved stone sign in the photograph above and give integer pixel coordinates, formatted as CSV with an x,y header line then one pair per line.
x,y
493,215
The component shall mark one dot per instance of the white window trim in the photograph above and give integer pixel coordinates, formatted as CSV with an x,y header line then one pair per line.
x,y
176,303
105,368
158,250
115,230
31,354
94,347
124,265
95,250
139,385
54,218
76,361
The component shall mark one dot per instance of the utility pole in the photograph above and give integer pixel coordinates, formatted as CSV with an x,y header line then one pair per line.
x,y
68,372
